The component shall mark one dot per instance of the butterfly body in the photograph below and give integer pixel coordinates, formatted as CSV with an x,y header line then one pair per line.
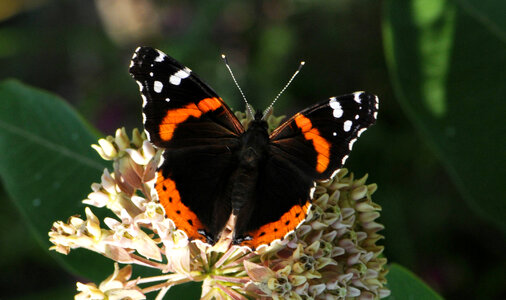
x,y
214,168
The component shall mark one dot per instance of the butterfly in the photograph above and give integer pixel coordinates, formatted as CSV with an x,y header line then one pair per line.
x,y
214,168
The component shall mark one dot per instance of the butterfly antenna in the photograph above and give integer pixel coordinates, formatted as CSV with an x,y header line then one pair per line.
x,y
283,89
237,84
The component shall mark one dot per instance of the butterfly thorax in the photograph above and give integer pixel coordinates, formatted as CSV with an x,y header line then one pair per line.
x,y
251,156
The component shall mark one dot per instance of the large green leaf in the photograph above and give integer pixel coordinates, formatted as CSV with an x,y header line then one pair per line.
x,y
47,166
488,12
405,285
448,73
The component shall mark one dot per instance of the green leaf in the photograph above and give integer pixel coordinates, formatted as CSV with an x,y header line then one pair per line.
x,y
405,285
47,166
490,13
448,74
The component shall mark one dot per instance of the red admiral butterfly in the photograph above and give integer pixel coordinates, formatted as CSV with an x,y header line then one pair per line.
x,y
214,168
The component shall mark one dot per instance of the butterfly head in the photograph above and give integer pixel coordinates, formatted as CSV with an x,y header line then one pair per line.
x,y
258,115
269,108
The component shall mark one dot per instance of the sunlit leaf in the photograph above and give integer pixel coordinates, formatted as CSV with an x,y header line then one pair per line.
x,y
448,73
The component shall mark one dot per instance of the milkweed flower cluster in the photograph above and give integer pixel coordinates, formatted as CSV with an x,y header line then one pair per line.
x,y
332,255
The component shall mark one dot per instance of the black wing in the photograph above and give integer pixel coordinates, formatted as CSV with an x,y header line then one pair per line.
x,y
318,140
312,145
198,132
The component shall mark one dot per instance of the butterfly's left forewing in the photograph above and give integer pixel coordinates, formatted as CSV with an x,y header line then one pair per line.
x,y
198,133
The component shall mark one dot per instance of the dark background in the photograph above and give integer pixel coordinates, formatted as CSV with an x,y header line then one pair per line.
x,y
80,50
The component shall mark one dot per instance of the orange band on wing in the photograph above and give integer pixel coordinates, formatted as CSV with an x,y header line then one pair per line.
x,y
321,145
209,104
177,116
278,229
175,210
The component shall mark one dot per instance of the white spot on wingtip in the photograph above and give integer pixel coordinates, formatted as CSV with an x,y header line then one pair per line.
x,y
157,86
161,56
151,74
357,116
334,133
131,63
144,100
175,80
167,100
347,125
356,97
335,173
144,120
344,159
375,115
336,107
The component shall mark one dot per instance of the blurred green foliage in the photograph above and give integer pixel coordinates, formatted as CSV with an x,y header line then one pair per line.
x,y
437,66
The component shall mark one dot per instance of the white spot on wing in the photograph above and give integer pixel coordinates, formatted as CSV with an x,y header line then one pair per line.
x,y
344,159
131,63
356,117
334,133
160,57
144,100
356,97
336,106
157,86
375,115
175,79
167,100
144,120
347,125
151,74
